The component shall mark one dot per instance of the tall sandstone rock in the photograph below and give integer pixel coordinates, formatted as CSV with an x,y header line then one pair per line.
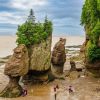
x,y
35,59
17,65
58,56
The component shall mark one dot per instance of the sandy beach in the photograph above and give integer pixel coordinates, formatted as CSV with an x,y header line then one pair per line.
x,y
8,43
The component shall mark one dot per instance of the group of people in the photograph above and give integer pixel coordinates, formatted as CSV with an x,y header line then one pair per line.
x,y
56,87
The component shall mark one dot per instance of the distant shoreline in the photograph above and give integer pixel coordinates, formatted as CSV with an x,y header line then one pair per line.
x,y
8,43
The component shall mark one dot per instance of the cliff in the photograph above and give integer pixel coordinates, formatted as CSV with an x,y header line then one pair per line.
x,y
90,19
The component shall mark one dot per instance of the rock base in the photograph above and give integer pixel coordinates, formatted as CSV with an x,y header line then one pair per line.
x,y
13,89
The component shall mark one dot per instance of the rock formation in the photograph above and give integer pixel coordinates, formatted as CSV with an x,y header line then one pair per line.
x,y
17,66
83,47
91,25
73,65
40,61
32,58
27,62
40,58
58,56
93,67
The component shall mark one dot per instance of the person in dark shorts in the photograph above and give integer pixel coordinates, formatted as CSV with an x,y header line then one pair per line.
x,y
55,92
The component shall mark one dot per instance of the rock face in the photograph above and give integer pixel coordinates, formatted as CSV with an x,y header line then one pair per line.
x,y
93,67
16,66
13,89
58,56
40,61
83,48
40,58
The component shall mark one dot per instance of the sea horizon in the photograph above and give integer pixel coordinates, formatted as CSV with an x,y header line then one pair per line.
x,y
8,42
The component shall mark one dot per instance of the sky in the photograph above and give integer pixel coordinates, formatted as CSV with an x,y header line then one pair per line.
x,y
65,15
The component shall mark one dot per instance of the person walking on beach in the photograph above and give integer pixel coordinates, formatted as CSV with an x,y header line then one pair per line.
x,y
24,91
71,89
55,92
57,87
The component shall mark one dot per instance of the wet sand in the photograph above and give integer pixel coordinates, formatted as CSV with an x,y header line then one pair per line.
x,y
86,88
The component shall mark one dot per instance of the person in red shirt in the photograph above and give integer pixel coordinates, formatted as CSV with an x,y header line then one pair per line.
x,y
24,91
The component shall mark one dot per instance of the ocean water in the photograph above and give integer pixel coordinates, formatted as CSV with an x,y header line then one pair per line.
x,y
8,43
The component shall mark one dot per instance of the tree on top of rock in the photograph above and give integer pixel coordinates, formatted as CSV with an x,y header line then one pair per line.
x,y
31,17
47,25
30,33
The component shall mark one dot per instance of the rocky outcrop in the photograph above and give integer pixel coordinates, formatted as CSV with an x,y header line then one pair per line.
x,y
93,67
58,56
40,61
83,47
16,66
73,65
40,58
29,62
13,89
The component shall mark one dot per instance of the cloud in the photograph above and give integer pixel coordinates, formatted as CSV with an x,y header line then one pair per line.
x,y
11,18
24,4
65,14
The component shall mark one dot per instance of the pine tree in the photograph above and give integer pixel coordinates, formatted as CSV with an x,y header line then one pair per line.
x,y
31,17
47,25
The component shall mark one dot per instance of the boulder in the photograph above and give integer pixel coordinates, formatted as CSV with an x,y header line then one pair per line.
x,y
58,56
18,64
73,65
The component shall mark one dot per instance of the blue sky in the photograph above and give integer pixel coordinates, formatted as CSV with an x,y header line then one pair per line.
x,y
65,15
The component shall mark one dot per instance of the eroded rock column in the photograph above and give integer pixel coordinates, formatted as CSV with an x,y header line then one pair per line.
x,y
58,56
16,66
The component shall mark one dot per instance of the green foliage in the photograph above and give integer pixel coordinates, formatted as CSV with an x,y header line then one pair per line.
x,y
47,26
31,33
90,18
96,33
93,52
